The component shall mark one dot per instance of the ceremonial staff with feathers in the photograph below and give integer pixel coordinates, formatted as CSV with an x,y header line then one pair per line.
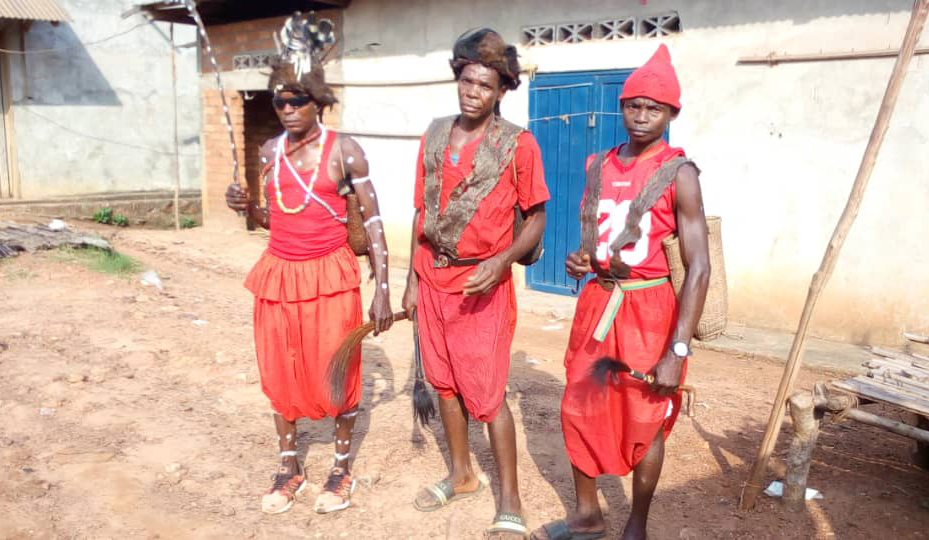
x,y
322,211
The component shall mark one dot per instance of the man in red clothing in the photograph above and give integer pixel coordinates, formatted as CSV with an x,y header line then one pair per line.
x,y
630,312
306,284
472,170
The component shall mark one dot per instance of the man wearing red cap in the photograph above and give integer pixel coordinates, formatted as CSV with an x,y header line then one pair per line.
x,y
638,194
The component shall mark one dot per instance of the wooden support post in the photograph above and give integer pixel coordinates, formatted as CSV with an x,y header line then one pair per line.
x,y
7,40
177,157
806,432
753,484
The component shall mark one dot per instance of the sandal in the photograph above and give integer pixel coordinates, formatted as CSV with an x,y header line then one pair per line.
x,y
284,490
443,494
337,492
508,522
559,530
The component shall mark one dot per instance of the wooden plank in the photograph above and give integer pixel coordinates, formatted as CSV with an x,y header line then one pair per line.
x,y
893,363
901,387
876,392
914,386
899,366
887,353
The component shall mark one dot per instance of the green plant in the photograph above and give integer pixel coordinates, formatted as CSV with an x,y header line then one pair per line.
x,y
120,220
188,223
100,260
104,215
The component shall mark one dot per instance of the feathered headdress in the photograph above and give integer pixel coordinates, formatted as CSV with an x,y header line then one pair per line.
x,y
299,65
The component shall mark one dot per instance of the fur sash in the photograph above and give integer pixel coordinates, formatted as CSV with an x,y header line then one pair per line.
x,y
493,156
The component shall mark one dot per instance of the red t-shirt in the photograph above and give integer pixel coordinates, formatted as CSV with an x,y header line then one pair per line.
x,y
314,232
620,185
491,229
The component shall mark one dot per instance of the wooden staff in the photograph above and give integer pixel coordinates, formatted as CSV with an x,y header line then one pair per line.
x,y
917,20
195,15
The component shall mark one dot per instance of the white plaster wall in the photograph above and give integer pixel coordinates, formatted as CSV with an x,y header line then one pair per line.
x,y
98,118
779,146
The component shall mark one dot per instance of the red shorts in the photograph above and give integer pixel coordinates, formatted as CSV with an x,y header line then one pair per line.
x,y
465,343
608,430
303,311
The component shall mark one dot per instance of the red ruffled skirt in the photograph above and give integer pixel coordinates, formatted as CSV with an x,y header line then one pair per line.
x,y
303,311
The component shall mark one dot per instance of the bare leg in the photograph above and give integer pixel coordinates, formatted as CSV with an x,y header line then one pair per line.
x,y
502,435
644,480
344,428
587,516
455,422
287,440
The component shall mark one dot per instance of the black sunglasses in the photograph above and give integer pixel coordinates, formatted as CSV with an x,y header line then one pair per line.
x,y
296,102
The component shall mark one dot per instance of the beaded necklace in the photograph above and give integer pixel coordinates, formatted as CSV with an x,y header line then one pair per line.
x,y
280,154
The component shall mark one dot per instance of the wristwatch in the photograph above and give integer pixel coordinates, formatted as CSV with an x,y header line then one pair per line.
x,y
680,349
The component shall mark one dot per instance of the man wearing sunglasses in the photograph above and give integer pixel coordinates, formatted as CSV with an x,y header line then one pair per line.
x,y
306,284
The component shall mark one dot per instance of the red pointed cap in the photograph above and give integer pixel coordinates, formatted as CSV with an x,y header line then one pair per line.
x,y
656,80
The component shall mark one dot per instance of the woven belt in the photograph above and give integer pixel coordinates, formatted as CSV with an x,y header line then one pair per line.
x,y
616,300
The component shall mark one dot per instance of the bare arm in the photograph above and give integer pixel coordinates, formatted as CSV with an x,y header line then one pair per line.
x,y
240,200
691,226
356,169
412,280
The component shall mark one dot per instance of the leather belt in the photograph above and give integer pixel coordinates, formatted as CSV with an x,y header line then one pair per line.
x,y
441,260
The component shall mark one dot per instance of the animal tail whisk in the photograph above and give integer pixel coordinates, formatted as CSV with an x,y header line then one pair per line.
x,y
342,359
423,408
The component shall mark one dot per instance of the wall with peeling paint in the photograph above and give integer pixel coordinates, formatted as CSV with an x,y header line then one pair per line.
x,y
779,146
97,117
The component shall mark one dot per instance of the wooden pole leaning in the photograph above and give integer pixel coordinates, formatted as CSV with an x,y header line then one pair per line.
x,y
752,486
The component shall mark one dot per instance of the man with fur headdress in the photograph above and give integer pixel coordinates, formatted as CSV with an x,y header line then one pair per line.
x,y
638,194
473,169
307,282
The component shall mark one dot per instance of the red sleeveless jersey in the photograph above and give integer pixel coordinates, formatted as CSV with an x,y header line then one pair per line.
x,y
314,232
620,185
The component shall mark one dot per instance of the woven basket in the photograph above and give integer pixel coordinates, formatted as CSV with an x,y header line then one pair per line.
x,y
716,308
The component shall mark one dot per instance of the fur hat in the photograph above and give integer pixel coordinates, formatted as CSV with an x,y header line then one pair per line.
x,y
485,46
298,67
655,80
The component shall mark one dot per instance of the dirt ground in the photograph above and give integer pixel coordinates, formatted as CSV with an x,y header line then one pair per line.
x,y
126,412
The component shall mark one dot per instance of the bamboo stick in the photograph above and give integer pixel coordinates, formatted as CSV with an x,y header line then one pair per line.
x,y
914,29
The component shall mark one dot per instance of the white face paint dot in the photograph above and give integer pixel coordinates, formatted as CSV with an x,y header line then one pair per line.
x,y
385,253
264,160
374,246
350,160
383,265
383,285
362,208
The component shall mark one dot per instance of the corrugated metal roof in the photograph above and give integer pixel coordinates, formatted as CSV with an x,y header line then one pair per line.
x,y
38,10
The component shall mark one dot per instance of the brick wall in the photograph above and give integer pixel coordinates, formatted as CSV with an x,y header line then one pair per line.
x,y
253,121
231,39
217,152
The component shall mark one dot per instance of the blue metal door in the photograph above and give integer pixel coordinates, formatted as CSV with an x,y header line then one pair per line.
x,y
572,115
